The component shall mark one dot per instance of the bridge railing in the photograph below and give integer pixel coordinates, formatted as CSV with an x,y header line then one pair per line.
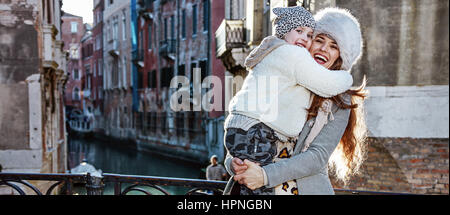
x,y
124,184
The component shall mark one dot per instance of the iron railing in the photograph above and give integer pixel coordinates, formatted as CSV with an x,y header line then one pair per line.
x,y
231,34
96,185
167,47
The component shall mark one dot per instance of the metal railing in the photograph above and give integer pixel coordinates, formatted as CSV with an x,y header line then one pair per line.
x,y
167,47
230,34
96,185
137,55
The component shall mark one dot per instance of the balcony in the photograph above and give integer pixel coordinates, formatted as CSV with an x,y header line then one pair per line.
x,y
145,4
114,51
167,48
145,8
138,57
230,35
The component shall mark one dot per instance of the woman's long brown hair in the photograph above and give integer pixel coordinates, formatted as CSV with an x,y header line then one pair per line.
x,y
346,160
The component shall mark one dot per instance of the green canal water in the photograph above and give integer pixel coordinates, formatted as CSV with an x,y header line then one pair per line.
x,y
123,158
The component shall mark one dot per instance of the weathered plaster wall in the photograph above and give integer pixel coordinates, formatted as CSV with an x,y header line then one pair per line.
x,y
19,59
409,37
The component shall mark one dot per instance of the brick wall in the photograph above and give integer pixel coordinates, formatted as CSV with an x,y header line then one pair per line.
x,y
404,165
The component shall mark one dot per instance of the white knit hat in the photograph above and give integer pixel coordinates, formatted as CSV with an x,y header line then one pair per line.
x,y
344,28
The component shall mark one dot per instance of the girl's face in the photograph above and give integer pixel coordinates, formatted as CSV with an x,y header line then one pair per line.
x,y
301,36
324,50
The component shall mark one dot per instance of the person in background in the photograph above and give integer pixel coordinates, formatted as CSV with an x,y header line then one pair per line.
x,y
215,171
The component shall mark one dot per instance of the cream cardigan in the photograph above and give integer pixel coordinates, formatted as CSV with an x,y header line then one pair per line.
x,y
282,104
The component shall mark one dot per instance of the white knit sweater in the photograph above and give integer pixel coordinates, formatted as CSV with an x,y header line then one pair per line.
x,y
284,107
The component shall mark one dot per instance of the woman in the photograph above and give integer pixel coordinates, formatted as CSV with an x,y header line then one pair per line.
x,y
340,143
260,116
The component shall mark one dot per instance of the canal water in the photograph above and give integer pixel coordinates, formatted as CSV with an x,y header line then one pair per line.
x,y
123,158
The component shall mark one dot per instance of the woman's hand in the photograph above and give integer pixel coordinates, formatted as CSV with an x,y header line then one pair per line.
x,y
238,166
253,177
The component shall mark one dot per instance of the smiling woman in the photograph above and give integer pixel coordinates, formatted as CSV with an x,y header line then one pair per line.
x,y
83,9
326,52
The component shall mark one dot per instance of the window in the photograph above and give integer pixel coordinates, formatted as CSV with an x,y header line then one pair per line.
x,y
74,51
98,43
95,68
183,23
166,76
179,123
153,79
100,92
165,29
124,26
108,31
116,29
181,70
194,20
163,122
140,43
140,81
97,15
149,41
74,27
124,72
100,67
204,69
193,66
153,122
205,15
172,27
87,69
76,75
76,94
89,83
192,123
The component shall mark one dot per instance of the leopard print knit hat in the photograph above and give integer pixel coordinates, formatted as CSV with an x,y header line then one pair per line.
x,y
288,18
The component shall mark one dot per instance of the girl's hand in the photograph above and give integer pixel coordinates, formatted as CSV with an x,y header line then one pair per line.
x,y
238,166
252,178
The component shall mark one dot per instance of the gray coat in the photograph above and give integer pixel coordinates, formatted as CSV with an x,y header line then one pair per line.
x,y
310,167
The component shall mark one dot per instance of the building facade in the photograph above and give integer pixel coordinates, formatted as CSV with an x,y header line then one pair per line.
x,y
72,32
32,78
97,58
167,32
117,83
88,87
407,109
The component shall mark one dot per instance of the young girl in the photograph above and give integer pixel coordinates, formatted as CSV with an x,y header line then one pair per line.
x,y
252,133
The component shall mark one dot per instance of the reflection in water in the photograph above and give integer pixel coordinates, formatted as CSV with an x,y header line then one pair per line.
x,y
111,158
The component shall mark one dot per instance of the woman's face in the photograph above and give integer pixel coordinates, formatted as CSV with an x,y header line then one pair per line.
x,y
301,36
324,50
